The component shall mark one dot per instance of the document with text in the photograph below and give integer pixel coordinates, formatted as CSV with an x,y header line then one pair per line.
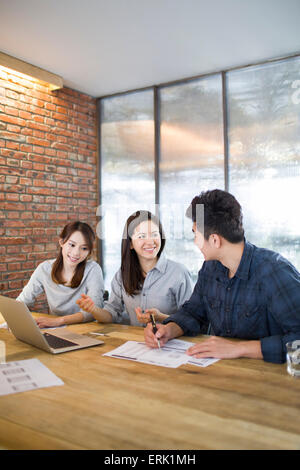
x,y
21,376
171,355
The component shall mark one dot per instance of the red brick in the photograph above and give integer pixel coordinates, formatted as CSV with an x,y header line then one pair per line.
x,y
37,149
26,181
12,145
12,162
12,111
12,119
26,164
26,148
41,191
50,106
3,267
48,172
12,240
25,114
15,284
59,116
39,119
14,266
25,197
10,206
39,126
12,197
40,142
13,128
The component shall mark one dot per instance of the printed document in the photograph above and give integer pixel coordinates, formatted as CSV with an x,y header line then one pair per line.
x,y
29,374
171,355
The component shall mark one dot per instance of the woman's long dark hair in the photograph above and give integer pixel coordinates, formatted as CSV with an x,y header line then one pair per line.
x,y
89,236
132,275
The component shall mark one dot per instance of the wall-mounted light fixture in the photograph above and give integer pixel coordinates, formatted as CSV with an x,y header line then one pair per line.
x,y
16,65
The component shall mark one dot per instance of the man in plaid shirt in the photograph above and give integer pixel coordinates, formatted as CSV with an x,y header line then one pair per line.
x,y
243,291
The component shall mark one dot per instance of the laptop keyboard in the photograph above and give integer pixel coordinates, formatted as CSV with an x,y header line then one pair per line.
x,y
56,343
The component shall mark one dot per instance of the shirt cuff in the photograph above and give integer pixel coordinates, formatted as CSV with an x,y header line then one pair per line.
x,y
116,317
272,349
180,321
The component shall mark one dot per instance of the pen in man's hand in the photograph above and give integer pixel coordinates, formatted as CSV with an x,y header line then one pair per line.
x,y
154,328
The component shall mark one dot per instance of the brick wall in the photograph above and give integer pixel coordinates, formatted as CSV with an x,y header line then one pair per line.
x,y
48,173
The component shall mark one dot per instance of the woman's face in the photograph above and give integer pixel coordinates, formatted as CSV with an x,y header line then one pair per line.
x,y
146,240
74,250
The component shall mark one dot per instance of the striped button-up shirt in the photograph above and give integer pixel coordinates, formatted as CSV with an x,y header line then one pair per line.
x,y
166,287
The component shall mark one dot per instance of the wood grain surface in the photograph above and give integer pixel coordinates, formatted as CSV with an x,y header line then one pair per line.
x,y
109,403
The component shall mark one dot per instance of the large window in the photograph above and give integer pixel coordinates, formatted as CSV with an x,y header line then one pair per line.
x,y
191,158
237,130
264,153
127,168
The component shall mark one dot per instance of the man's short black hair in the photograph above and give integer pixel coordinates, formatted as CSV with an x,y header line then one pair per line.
x,y
222,215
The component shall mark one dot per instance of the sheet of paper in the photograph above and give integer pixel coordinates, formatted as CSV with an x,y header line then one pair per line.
x,y
171,355
181,345
139,352
29,374
203,362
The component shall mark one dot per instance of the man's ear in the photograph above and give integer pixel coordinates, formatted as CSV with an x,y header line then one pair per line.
x,y
215,240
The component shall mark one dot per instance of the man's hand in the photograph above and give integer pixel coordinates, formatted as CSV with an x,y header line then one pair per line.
x,y
223,348
164,334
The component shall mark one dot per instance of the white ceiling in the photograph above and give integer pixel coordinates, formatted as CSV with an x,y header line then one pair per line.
x,y
101,47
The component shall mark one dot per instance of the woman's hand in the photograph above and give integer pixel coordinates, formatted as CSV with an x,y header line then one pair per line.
x,y
45,322
86,303
144,317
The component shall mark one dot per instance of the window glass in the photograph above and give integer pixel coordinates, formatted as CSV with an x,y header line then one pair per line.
x,y
191,160
264,153
127,168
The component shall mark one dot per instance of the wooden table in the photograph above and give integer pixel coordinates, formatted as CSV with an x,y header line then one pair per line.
x,y
109,403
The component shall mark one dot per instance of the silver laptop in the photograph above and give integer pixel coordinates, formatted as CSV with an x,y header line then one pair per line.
x,y
24,327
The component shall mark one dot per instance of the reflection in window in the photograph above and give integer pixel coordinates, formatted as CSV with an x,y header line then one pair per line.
x,y
127,168
192,158
264,153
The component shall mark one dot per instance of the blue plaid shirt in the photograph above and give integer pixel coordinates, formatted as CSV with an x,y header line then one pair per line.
x,y
262,301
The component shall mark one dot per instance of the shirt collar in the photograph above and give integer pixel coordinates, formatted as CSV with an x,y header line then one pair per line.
x,y
161,264
243,270
244,266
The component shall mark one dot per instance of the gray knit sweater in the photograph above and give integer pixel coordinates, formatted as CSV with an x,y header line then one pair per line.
x,y
62,299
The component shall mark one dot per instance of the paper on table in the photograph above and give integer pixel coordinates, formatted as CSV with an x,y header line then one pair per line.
x,y
181,345
29,374
203,362
171,355
139,352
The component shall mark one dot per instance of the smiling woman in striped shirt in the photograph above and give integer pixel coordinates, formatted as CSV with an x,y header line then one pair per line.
x,y
147,282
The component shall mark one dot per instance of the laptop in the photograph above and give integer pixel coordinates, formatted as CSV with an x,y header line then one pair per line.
x,y
24,327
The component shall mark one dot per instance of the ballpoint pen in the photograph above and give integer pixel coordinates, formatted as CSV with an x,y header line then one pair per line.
x,y
154,328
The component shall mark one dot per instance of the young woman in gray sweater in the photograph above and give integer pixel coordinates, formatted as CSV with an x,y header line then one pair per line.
x,y
65,278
